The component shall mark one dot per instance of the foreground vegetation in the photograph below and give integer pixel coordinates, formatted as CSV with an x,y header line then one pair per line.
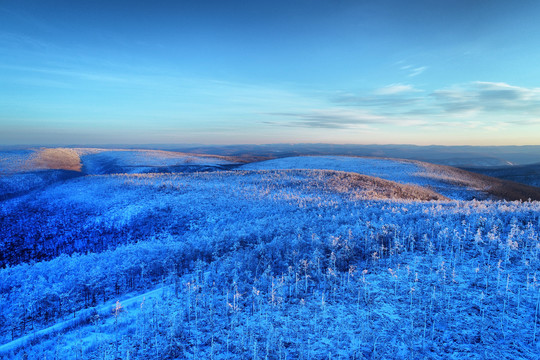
x,y
266,264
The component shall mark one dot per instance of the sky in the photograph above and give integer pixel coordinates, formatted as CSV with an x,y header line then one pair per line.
x,y
258,72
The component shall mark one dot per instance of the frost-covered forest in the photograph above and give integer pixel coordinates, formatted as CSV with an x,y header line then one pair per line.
x,y
289,259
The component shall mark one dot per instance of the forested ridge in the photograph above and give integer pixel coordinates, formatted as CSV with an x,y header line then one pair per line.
x,y
267,264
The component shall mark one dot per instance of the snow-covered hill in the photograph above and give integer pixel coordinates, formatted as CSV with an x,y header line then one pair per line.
x,y
294,258
451,182
102,161
145,161
12,161
32,169
124,204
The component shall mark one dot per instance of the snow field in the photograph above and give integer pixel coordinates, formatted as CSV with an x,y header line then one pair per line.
x,y
277,264
142,161
401,171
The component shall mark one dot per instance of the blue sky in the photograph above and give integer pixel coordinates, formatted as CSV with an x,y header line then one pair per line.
x,y
228,72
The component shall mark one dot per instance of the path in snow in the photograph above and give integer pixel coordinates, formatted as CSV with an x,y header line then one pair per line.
x,y
105,311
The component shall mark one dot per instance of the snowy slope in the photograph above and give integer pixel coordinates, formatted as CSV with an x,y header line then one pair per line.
x,y
451,182
143,161
396,170
279,262
102,161
12,161
102,312
401,171
22,171
295,258
36,159
26,170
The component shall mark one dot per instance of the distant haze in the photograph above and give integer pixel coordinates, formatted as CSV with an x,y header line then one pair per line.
x,y
236,72
461,156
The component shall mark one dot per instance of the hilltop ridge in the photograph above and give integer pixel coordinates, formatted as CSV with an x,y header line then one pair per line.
x,y
25,170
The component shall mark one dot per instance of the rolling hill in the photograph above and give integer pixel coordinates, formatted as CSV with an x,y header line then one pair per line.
x,y
292,258
460,156
26,170
448,181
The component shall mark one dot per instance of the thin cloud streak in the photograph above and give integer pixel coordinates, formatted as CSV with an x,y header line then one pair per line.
x,y
329,119
417,71
395,89
340,119
411,69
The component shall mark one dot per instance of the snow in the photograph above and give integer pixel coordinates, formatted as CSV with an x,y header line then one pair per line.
x,y
395,170
142,161
101,161
401,171
22,171
266,263
13,161
104,312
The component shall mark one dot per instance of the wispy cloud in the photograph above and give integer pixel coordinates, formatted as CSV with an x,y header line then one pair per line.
x,y
489,97
417,71
478,105
337,118
395,89
390,97
465,99
328,119
412,70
